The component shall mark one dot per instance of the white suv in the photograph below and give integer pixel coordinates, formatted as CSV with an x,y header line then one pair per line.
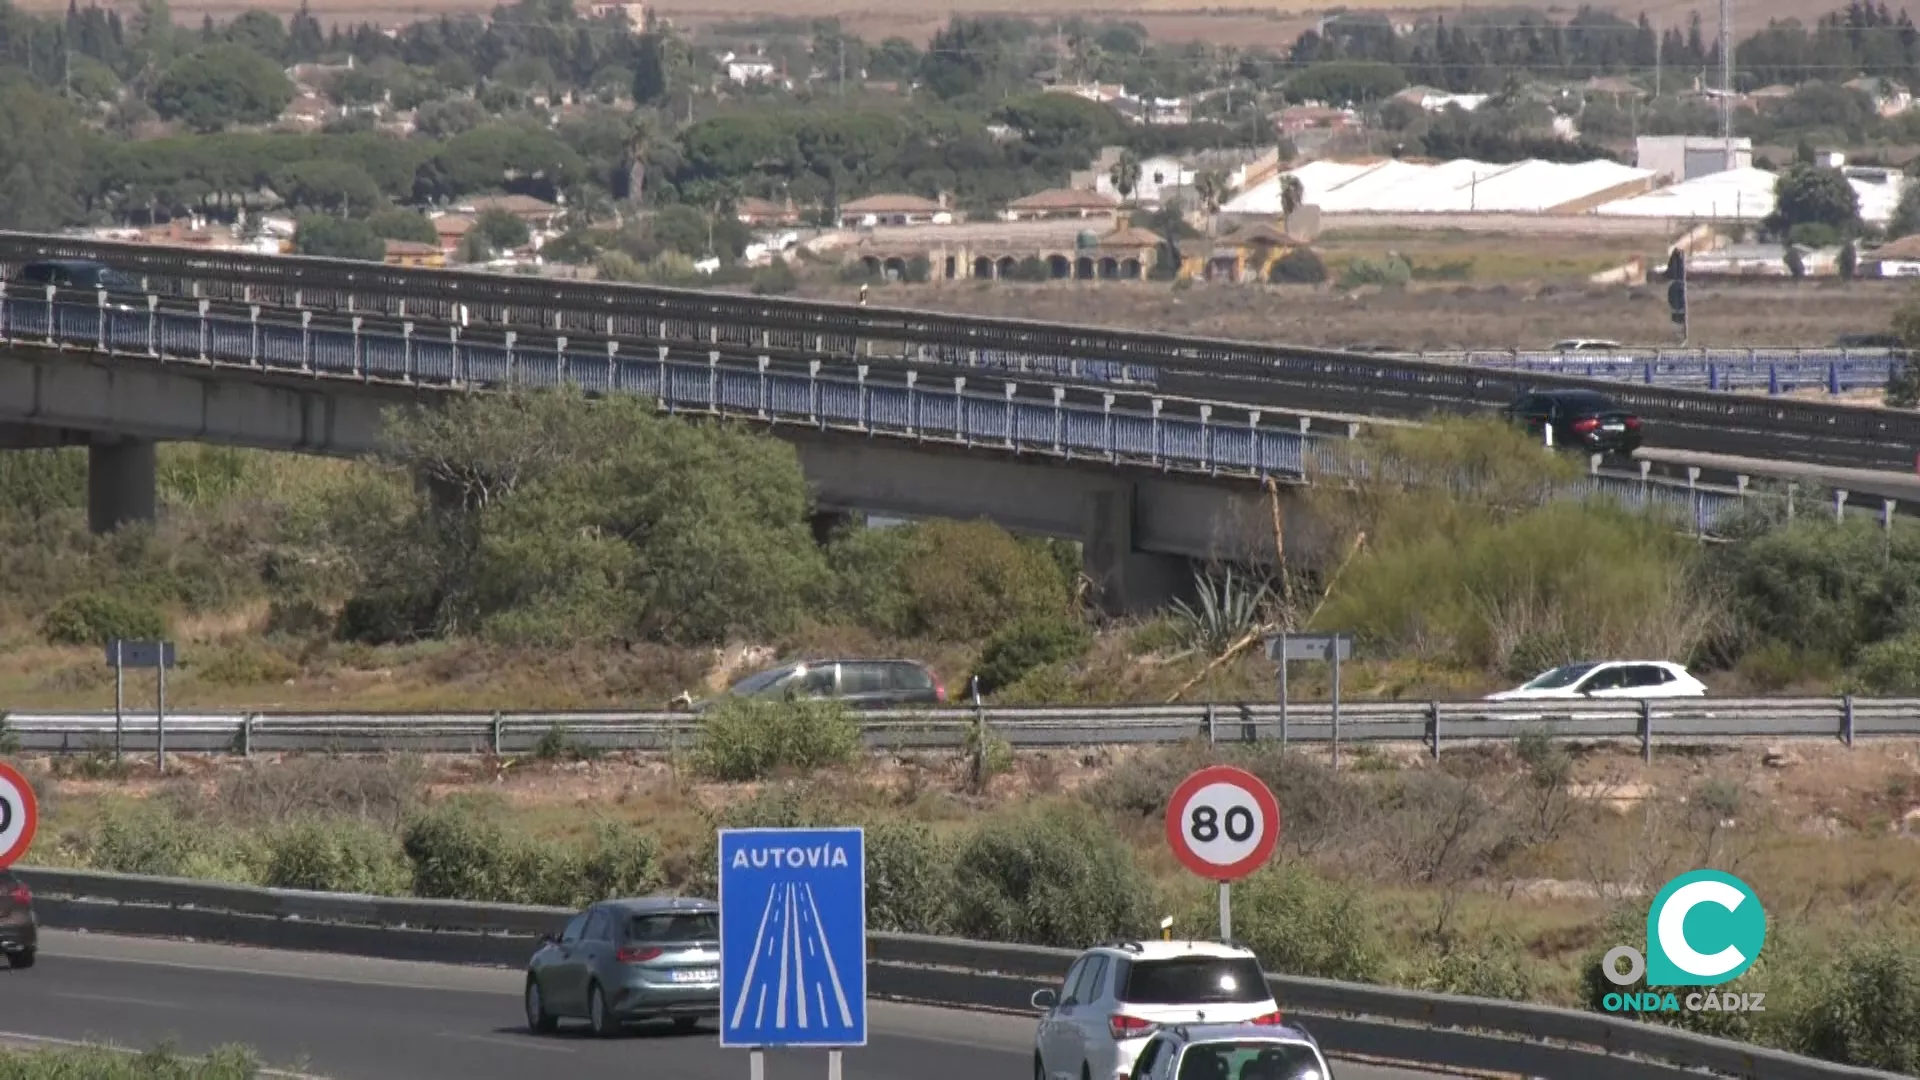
x,y
1117,996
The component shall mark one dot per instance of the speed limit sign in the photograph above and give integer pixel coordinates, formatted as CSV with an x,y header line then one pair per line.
x,y
19,815
1223,823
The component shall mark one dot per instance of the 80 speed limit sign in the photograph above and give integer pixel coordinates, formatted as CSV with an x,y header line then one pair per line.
x,y
1223,823
19,815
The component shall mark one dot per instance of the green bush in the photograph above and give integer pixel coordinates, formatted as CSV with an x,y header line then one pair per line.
x,y
347,855
1301,266
1864,1008
1029,643
909,878
95,618
1050,875
1834,586
106,1063
148,837
298,618
459,852
386,615
1301,924
1389,270
775,279
956,581
1487,969
752,738
245,665
1891,667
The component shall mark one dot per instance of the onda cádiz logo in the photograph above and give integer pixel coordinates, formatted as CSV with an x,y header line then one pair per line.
x,y
1705,928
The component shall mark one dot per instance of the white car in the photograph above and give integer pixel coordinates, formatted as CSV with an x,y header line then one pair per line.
x,y
1633,680
1116,997
1229,1050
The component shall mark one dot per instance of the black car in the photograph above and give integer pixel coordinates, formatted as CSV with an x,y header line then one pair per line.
x,y
19,934
858,684
84,274
1580,419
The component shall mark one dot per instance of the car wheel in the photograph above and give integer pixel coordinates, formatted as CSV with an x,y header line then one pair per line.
x,y
22,959
685,1024
539,1020
1086,1071
1039,1069
598,1017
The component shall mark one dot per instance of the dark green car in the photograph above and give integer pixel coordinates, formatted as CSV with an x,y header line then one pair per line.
x,y
628,961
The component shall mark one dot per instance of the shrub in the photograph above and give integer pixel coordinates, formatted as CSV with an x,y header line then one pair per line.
x,y
957,581
1389,271
775,279
385,615
1891,666
384,790
1301,924
147,837
1029,643
1301,266
909,878
1047,876
298,618
457,852
107,1063
336,856
1864,1008
745,738
1488,969
1841,585
95,618
245,665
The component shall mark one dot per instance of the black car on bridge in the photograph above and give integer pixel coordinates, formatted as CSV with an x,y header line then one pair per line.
x,y
1578,419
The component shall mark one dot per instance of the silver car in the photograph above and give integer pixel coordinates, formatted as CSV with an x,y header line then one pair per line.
x,y
627,961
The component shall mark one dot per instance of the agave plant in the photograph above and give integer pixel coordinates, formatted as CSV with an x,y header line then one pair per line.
x,y
1224,610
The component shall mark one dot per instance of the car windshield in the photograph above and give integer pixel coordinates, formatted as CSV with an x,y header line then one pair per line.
x,y
1559,678
764,681
673,927
1588,402
1196,980
1249,1059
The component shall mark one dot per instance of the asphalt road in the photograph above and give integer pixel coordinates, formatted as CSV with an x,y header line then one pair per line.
x,y
355,1019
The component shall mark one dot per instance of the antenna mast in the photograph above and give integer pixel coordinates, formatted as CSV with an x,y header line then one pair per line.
x,y
1726,80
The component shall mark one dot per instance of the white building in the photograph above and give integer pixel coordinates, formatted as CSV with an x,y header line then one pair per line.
x,y
745,70
1688,157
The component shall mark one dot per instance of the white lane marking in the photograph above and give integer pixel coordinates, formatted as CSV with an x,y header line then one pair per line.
x,y
820,994
799,966
497,1040
780,995
740,1007
833,970
760,1010
109,999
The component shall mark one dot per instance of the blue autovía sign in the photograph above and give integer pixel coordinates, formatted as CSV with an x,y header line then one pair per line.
x,y
793,937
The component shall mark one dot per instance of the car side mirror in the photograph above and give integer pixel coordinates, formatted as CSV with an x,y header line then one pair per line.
x,y
1044,999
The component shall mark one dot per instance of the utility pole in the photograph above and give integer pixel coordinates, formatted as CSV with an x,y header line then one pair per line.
x,y
843,67
1726,80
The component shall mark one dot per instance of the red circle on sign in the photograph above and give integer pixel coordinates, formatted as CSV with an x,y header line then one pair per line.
x,y
1187,837
17,795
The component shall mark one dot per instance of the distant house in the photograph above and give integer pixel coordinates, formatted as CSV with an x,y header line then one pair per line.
x,y
1614,87
1889,97
1299,119
1248,255
1897,259
450,230
411,253
764,213
537,213
1061,203
747,70
635,15
1166,176
1432,100
308,112
893,209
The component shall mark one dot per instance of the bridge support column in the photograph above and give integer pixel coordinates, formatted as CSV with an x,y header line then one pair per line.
x,y
121,483
829,523
1126,581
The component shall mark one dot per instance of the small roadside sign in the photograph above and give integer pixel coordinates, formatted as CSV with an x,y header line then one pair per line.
x,y
1223,823
1321,647
793,938
19,815
139,654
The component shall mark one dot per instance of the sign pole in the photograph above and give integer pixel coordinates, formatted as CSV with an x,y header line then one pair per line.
x,y
1336,703
1226,911
160,721
1283,693
119,699
833,1065
756,1065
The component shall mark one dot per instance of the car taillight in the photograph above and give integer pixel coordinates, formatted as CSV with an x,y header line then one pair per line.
x,y
22,895
939,690
1122,1026
1633,422
1584,426
1271,1019
631,955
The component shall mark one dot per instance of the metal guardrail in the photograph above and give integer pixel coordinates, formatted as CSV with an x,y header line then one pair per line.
x,y
1432,723
1256,375
1051,420
1774,371
1348,1018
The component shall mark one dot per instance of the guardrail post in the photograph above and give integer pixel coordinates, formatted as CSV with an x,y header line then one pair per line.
x,y
1646,731
453,348
1206,440
204,304
913,401
1693,498
253,324
1208,723
1433,727
613,364
360,351
1256,446
761,363
297,299
1012,421
813,393
1059,419
498,741
306,341
713,380
665,398
1886,517
153,323
1793,488
1157,406
1839,505
53,338
5,327
100,319
860,376
246,735
1106,427
962,427
1248,732
406,352
1846,719
511,338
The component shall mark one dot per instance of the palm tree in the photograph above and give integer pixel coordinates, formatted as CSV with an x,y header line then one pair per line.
x,y
643,132
1210,186
1126,175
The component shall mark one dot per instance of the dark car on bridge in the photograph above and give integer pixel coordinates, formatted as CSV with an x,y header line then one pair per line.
x,y
19,932
1578,419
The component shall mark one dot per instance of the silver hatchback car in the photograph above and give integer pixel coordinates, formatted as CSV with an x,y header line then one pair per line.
x,y
627,961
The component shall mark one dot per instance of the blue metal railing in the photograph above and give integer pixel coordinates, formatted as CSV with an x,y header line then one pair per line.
x,y
1000,418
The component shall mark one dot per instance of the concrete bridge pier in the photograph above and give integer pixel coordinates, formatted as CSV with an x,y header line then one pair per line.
x,y
1126,581
122,482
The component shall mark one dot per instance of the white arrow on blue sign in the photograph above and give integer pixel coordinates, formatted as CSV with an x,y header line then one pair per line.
x,y
793,938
